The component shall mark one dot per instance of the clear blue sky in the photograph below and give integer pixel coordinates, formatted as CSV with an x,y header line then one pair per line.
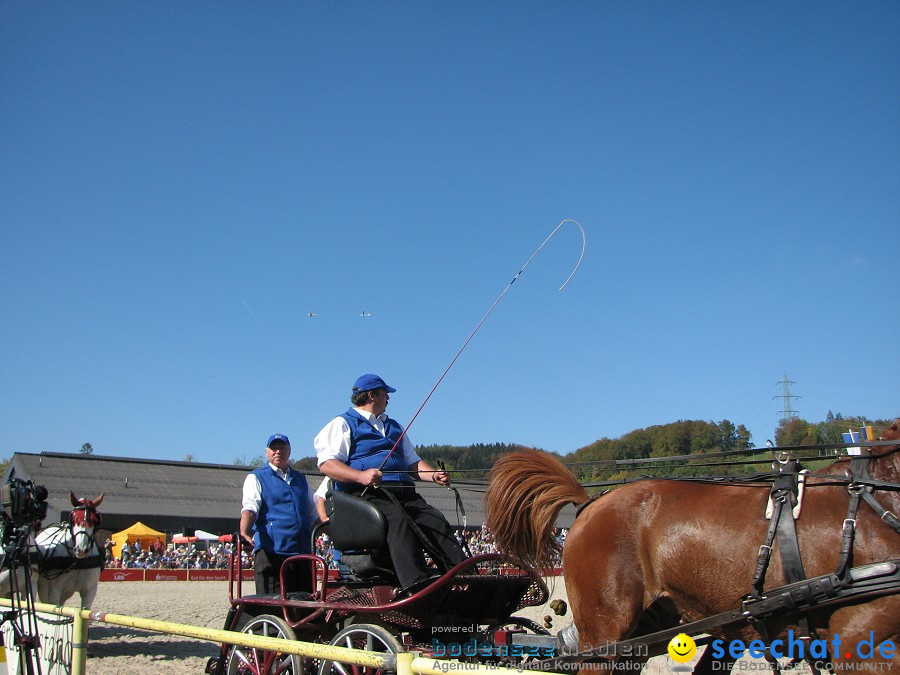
x,y
181,183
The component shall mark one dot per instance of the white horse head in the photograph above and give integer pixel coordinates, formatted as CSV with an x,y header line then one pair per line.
x,y
69,558
82,521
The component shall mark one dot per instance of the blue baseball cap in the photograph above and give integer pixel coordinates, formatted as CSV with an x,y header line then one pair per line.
x,y
277,437
368,382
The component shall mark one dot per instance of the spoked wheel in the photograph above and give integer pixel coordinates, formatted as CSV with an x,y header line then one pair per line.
x,y
253,661
361,636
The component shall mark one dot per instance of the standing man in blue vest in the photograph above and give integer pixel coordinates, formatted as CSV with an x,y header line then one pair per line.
x,y
277,515
351,450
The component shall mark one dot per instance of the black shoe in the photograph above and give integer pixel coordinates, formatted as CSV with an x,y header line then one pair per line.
x,y
417,586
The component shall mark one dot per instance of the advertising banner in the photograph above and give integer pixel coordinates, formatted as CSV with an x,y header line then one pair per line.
x,y
169,575
122,575
165,575
55,652
212,575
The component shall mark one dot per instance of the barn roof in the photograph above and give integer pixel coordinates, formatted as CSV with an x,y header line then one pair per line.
x,y
164,494
173,496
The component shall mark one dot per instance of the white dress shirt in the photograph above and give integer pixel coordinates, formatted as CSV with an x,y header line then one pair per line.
x,y
333,442
252,493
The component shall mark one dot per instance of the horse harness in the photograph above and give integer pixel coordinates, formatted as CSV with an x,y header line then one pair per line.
x,y
802,594
53,566
799,595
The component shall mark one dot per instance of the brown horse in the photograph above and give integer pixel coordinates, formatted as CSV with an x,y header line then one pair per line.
x,y
670,551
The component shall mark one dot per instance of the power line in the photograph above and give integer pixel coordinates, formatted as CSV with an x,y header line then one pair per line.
x,y
787,412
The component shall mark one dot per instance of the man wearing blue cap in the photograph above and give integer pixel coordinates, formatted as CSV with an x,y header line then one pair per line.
x,y
364,448
277,514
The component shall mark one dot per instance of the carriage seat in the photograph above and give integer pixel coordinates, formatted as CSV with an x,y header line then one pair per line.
x,y
359,531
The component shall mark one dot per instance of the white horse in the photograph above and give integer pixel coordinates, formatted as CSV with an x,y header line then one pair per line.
x,y
69,560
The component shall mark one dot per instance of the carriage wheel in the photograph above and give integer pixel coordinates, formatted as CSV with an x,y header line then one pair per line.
x,y
366,636
253,661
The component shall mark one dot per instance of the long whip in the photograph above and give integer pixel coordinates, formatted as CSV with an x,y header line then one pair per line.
x,y
484,318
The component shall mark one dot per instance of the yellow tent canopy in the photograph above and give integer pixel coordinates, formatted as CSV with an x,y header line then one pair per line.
x,y
137,532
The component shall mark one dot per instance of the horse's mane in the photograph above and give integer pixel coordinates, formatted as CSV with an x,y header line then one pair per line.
x,y
526,491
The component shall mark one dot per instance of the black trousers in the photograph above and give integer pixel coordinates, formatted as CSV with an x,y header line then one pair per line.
x,y
267,573
404,545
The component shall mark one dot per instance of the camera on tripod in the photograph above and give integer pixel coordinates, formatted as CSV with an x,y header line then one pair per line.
x,y
23,502
24,505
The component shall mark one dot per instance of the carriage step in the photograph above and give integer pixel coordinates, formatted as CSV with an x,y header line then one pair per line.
x,y
294,596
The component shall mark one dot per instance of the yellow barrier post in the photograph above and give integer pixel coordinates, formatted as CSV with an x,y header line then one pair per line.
x,y
79,643
404,663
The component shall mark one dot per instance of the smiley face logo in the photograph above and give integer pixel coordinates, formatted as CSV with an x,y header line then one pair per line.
x,y
682,648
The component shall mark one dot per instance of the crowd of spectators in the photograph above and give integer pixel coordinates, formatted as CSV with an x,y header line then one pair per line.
x,y
478,540
181,556
216,556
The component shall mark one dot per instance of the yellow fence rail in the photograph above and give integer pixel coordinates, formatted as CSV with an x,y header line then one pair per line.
x,y
405,663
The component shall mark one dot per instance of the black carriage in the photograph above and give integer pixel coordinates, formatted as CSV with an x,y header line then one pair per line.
x,y
468,613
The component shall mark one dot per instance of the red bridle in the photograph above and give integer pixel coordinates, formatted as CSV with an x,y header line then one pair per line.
x,y
85,515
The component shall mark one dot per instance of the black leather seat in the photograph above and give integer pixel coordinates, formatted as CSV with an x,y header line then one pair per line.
x,y
359,531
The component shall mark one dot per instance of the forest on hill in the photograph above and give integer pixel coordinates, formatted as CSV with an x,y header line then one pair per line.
x,y
624,457
609,458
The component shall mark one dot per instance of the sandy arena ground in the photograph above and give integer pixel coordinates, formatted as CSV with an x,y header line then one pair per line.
x,y
114,649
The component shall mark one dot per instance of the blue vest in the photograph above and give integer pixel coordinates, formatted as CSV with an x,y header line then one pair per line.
x,y
368,448
282,524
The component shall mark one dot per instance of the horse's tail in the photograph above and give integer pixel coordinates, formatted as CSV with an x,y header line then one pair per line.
x,y
526,491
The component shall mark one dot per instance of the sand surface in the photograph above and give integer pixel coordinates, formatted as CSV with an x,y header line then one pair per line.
x,y
116,649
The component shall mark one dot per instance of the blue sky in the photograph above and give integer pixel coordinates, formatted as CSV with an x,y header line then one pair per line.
x,y
182,183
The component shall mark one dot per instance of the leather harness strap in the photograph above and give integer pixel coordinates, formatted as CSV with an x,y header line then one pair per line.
x,y
859,473
861,488
847,531
781,525
826,591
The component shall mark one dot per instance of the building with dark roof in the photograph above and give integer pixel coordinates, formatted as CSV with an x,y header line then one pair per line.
x,y
177,496
167,496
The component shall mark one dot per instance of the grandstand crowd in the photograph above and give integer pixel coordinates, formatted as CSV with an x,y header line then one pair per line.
x,y
215,555
173,556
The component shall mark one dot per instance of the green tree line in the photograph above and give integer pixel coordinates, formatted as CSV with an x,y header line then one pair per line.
x,y
798,431
684,437
595,462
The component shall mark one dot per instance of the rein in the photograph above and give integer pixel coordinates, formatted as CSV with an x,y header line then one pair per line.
x,y
91,518
857,476
52,565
